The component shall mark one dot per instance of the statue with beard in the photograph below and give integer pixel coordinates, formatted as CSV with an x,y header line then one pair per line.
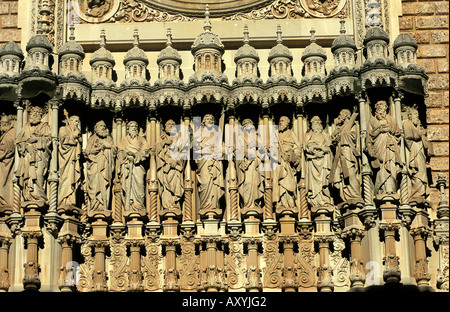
x,y
7,150
209,166
250,180
133,151
34,144
170,162
345,170
100,153
418,150
383,147
318,164
69,162
285,180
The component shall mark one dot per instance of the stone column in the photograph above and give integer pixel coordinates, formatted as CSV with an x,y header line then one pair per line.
x,y
357,274
421,272
289,283
4,272
134,273
171,275
389,227
67,278
441,236
253,283
303,215
152,183
323,237
369,211
188,212
31,279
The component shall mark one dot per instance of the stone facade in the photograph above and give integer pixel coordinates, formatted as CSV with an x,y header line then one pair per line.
x,y
291,146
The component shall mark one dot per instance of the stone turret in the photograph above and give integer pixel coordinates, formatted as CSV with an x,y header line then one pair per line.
x,y
344,49
169,62
135,62
376,46
11,57
280,59
39,50
102,64
246,60
313,59
71,56
207,51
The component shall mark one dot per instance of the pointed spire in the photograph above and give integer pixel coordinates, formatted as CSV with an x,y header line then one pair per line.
x,y
313,35
72,32
342,21
279,39
207,26
102,38
246,38
169,37
136,37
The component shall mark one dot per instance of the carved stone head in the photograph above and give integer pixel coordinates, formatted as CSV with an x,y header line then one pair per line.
x,y
381,110
75,121
35,115
316,124
100,129
132,128
248,125
208,121
413,115
5,123
169,126
284,123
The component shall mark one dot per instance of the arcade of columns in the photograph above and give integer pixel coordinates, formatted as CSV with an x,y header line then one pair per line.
x,y
334,198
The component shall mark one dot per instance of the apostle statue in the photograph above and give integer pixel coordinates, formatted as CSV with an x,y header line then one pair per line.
x,y
285,173
249,178
383,147
132,152
34,144
345,170
170,162
318,164
418,150
69,162
7,150
100,153
208,153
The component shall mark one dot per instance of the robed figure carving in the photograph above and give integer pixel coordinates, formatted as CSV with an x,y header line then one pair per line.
x,y
249,177
285,173
318,165
34,147
100,153
345,170
383,147
418,150
69,162
171,157
132,152
208,151
7,150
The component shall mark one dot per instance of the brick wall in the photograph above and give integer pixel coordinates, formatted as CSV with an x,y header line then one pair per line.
x,y
428,23
8,21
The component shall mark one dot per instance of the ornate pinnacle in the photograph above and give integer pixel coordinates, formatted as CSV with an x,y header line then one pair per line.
x,y
279,39
136,37
207,26
313,35
342,21
102,38
246,39
169,37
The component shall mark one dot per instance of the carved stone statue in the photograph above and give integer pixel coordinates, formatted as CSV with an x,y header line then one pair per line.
x,y
250,180
69,162
345,170
418,149
383,147
209,166
318,164
34,144
170,164
285,181
7,150
100,152
133,151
